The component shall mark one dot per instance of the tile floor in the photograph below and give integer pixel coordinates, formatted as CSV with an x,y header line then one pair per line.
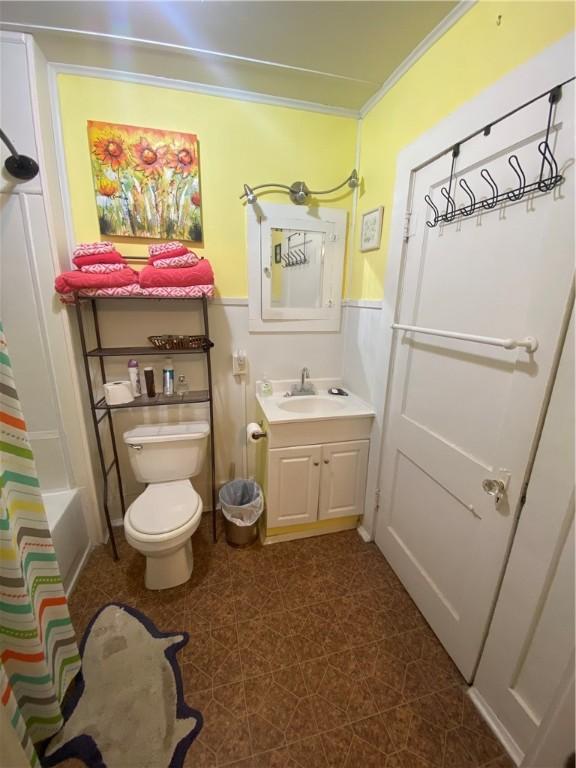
x,y
307,654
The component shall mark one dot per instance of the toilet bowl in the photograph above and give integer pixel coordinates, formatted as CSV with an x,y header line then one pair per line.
x,y
161,521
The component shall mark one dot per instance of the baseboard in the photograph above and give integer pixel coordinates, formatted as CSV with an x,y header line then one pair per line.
x,y
364,535
496,725
291,536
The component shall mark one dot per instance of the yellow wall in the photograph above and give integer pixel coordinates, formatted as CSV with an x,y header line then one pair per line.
x,y
466,60
240,142
245,142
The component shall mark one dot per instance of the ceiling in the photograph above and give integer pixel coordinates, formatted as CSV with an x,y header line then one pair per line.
x,y
332,53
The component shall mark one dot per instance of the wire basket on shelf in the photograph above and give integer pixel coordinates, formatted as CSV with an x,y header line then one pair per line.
x,y
168,342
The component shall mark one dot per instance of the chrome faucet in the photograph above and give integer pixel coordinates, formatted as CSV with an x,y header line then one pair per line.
x,y
305,387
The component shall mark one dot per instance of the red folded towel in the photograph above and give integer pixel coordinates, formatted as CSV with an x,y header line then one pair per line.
x,y
110,257
76,280
201,274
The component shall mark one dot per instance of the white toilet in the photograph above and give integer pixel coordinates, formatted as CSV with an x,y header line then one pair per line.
x,y
161,521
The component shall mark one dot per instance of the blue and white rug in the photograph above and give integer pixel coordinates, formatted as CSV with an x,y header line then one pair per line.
x,y
127,707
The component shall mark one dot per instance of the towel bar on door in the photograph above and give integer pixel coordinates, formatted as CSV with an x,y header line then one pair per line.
x,y
530,344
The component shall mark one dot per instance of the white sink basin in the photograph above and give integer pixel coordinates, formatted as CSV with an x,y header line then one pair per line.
x,y
312,404
322,410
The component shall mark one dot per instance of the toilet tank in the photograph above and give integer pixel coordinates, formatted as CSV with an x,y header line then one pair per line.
x,y
163,452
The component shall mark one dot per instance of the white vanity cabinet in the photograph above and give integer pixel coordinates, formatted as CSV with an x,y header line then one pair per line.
x,y
343,479
316,482
312,461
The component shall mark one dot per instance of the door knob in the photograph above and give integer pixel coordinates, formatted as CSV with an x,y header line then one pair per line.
x,y
496,488
267,272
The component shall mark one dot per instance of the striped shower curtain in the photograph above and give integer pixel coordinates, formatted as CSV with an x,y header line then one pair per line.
x,y
38,651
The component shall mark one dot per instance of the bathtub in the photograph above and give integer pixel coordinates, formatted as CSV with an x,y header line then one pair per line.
x,y
69,533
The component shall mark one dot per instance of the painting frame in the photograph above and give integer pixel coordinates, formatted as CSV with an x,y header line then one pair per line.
x,y
146,183
371,229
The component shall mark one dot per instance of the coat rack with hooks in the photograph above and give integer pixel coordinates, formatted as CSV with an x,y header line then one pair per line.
x,y
549,176
296,255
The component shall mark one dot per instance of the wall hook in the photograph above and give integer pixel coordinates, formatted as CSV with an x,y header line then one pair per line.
x,y
450,204
20,167
468,211
491,202
517,194
434,222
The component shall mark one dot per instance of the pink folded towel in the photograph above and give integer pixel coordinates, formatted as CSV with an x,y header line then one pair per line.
x,y
86,249
189,259
162,250
102,269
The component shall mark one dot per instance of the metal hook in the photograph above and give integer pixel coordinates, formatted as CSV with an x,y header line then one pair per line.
x,y
494,199
514,163
545,185
450,204
468,211
433,223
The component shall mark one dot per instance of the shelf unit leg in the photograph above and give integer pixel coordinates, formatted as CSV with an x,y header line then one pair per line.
x,y
212,435
110,420
96,428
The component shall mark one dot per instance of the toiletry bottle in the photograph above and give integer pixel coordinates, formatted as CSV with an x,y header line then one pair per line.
x,y
168,377
134,376
265,386
149,380
181,384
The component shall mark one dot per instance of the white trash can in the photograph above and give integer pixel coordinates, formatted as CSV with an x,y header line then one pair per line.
x,y
242,503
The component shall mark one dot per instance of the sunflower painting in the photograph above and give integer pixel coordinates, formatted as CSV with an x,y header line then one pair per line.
x,y
146,181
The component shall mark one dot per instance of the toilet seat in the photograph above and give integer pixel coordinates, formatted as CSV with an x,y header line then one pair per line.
x,y
164,510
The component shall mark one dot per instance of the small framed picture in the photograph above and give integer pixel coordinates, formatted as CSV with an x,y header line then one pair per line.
x,y
278,253
371,229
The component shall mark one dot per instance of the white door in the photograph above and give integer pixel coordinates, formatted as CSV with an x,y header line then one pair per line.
x,y
293,484
463,412
343,479
531,640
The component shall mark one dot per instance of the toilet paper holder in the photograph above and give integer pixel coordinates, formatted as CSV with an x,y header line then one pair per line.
x,y
255,431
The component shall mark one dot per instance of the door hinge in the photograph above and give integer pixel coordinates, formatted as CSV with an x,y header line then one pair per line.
x,y
407,232
377,500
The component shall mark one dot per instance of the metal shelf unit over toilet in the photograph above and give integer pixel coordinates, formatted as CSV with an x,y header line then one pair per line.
x,y
101,410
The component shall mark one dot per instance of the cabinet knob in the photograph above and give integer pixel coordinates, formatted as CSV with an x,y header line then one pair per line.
x,y
316,463
326,461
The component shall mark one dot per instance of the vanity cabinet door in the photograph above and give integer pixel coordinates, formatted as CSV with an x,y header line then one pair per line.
x,y
343,483
293,485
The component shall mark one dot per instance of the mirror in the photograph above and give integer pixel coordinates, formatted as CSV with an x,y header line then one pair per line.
x,y
297,262
296,265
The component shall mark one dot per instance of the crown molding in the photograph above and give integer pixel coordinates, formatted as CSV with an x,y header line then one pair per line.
x,y
209,90
432,37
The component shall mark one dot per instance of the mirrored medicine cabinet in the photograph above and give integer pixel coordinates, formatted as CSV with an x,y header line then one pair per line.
x,y
296,262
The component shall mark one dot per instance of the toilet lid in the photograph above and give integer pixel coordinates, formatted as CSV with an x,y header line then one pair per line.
x,y
164,507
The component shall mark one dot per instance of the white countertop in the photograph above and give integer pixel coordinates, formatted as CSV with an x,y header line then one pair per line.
x,y
324,405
